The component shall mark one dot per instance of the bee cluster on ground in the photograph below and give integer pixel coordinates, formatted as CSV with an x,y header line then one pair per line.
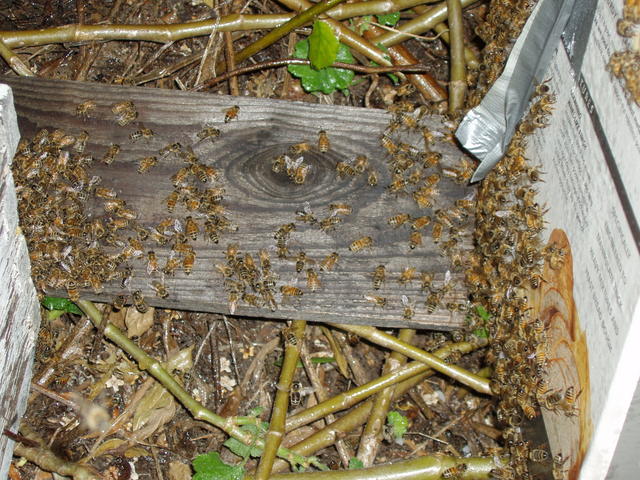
x,y
71,250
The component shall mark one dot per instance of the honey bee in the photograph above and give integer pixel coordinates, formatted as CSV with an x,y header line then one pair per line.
x,y
313,281
284,231
265,259
436,232
399,219
432,302
455,472
361,163
279,164
142,132
172,200
378,277
170,148
420,222
329,223
372,179
251,299
160,289
405,89
111,153
306,214
291,291
407,275
119,302
171,266
301,259
388,144
85,108
340,209
408,120
152,262
538,455
147,163
330,261
323,141
407,312
300,174
343,169
208,132
191,228
295,397
558,470
431,159
139,302
81,141
289,337
205,173
231,113
415,239
376,300
104,192
125,112
72,290
361,243
426,280
188,261
299,148
180,176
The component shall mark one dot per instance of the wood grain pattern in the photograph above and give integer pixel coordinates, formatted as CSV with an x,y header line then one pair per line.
x,y
257,199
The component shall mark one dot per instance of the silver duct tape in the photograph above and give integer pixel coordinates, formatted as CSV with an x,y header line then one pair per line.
x,y
487,129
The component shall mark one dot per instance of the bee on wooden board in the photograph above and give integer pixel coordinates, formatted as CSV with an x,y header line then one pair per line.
x,y
72,290
119,301
361,163
398,220
313,280
360,244
378,277
175,147
147,163
125,112
285,230
111,153
323,141
330,261
191,228
376,300
160,289
299,148
152,262
306,214
291,291
301,259
171,266
85,108
343,169
340,209
208,132
415,239
300,174
372,179
407,312
231,113
407,275
142,132
81,141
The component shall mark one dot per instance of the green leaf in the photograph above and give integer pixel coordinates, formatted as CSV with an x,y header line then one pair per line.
x,y
483,313
323,46
355,464
242,450
326,80
63,304
211,467
390,19
481,332
365,23
398,423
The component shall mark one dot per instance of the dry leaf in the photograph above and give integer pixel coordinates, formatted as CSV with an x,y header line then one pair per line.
x,y
135,452
138,323
108,446
155,409
179,471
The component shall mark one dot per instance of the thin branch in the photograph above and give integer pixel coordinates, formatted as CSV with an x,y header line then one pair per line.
x,y
163,33
294,337
372,433
458,69
283,62
384,340
14,61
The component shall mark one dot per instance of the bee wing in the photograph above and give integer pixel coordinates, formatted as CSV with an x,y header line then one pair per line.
x,y
177,226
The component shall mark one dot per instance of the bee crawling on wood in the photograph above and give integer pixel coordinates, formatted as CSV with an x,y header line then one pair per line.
x,y
378,277
160,289
142,132
231,113
376,300
323,141
85,108
360,244
147,163
125,112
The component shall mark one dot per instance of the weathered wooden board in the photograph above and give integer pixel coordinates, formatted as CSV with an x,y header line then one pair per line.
x,y
258,200
19,309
